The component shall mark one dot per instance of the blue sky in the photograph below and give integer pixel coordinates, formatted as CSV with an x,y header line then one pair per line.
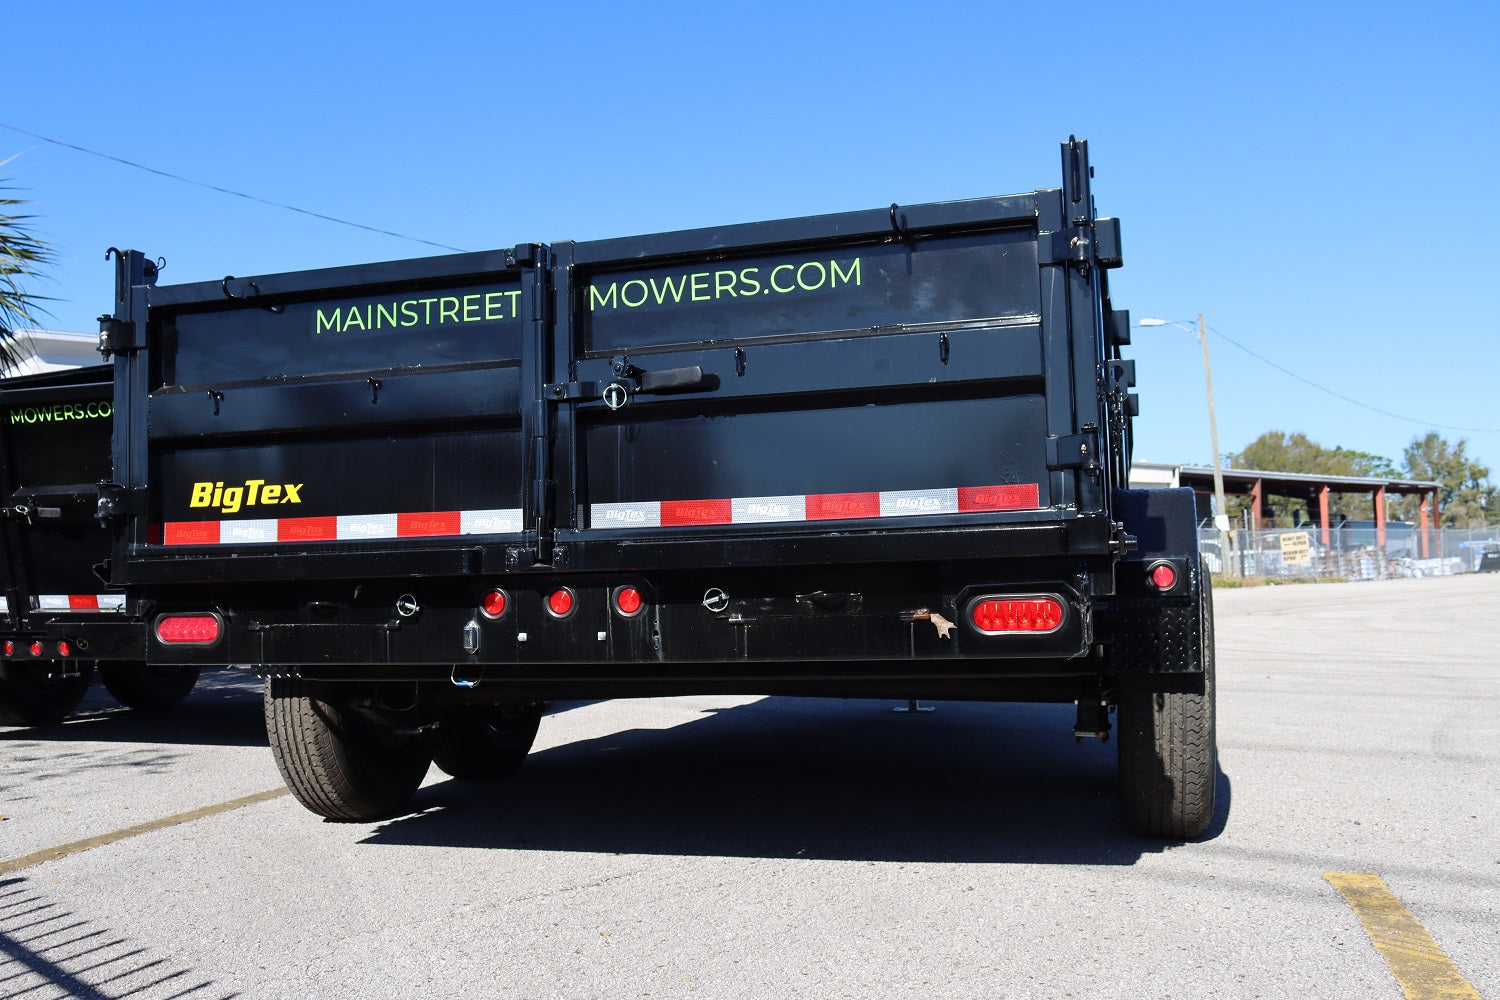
x,y
1315,179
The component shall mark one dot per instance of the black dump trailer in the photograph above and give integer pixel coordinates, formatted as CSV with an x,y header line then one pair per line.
x,y
880,453
58,621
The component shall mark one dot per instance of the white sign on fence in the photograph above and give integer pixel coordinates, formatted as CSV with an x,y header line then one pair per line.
x,y
1296,548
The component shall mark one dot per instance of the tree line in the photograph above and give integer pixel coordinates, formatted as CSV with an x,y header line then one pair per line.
x,y
1466,497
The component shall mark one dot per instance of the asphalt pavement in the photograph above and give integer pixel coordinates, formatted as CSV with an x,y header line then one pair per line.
x,y
772,847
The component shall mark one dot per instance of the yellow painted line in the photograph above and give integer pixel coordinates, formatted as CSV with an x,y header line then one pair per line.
x,y
78,846
1424,971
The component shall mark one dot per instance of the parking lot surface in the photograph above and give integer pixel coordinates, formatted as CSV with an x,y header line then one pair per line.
x,y
770,847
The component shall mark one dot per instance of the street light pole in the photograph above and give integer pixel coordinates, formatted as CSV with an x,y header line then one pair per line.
x,y
1221,513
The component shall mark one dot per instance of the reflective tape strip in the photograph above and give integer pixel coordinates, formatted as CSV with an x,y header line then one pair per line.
x,y
352,526
768,510
913,503
80,602
4,606
248,531
345,527
814,507
625,515
489,522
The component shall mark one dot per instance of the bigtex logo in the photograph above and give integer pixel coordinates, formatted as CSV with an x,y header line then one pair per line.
x,y
255,492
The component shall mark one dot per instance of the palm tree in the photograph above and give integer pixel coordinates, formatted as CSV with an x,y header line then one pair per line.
x,y
23,256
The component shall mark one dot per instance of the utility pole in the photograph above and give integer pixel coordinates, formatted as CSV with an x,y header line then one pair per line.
x,y
1221,516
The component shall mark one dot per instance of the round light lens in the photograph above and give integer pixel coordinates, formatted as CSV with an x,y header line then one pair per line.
x,y
628,601
10,647
64,649
494,604
36,649
1164,577
561,603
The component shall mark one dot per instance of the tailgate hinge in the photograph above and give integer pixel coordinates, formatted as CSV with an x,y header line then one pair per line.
x,y
119,501
1076,451
117,336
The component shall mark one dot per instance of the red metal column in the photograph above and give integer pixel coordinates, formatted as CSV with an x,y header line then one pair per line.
x,y
1422,526
1323,514
1380,518
1257,497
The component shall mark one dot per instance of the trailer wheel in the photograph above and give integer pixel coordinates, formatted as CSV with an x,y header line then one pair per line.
x,y
31,696
485,742
1167,750
336,762
140,685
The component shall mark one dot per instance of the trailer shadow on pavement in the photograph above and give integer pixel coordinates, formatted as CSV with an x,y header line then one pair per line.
x,y
224,709
808,778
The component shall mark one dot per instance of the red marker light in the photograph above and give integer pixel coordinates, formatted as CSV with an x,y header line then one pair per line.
x,y
628,601
64,649
188,630
1009,615
494,604
36,649
561,603
9,647
1163,576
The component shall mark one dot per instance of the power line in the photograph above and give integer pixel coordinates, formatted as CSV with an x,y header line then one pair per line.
x,y
1350,399
222,190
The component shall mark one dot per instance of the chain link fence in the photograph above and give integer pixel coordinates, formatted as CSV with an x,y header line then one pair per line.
x,y
1352,552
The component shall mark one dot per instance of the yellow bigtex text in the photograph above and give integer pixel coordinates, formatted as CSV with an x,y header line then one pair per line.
x,y
254,493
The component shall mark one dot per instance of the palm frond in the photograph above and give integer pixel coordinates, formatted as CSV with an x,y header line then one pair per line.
x,y
24,258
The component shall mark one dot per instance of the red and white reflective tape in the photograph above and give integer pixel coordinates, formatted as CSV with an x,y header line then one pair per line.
x,y
80,602
344,527
814,507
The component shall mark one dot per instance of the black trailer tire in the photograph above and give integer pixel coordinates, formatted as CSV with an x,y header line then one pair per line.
x,y
29,697
485,742
1168,754
140,685
336,762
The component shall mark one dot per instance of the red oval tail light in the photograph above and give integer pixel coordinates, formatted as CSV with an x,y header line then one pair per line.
x,y
188,630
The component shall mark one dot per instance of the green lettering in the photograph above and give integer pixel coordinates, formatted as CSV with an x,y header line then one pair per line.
x,y
448,309
822,276
666,287
625,293
515,307
333,323
596,300
721,286
776,285
408,313
471,308
853,272
493,310
427,313
354,320
381,317
751,283
700,287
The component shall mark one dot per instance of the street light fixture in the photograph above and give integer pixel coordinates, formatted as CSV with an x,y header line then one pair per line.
x,y
1221,518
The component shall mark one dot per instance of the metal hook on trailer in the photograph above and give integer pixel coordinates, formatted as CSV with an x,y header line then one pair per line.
x,y
224,286
898,225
